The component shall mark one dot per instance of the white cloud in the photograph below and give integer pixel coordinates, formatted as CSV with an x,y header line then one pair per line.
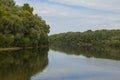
x,y
50,10
64,18
113,5
77,20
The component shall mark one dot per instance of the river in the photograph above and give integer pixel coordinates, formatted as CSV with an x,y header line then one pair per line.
x,y
71,67
56,65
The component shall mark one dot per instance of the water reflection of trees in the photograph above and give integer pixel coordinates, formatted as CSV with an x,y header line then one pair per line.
x,y
22,64
90,51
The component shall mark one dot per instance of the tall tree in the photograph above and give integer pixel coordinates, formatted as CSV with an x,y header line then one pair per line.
x,y
7,2
21,27
27,8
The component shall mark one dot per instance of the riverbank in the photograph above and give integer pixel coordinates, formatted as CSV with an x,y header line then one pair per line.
x,y
13,48
19,48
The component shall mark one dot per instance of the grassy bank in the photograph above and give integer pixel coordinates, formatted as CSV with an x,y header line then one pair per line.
x,y
13,48
18,48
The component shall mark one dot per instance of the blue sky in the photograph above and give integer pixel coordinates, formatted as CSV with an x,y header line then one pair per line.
x,y
77,15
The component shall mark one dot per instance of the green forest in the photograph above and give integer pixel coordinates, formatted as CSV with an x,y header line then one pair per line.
x,y
105,38
20,27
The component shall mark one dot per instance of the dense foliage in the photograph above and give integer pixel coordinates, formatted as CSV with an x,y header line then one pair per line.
x,y
109,38
20,27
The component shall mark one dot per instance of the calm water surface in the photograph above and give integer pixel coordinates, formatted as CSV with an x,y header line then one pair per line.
x,y
71,67
60,65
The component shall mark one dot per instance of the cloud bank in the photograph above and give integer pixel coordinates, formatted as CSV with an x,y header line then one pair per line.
x,y
77,15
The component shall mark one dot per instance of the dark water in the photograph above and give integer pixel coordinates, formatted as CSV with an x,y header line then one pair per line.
x,y
60,64
22,64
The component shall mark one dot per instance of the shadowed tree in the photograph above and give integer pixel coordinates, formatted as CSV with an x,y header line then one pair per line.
x,y
7,2
27,8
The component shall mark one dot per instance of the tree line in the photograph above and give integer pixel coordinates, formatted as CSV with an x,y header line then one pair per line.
x,y
19,27
109,38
